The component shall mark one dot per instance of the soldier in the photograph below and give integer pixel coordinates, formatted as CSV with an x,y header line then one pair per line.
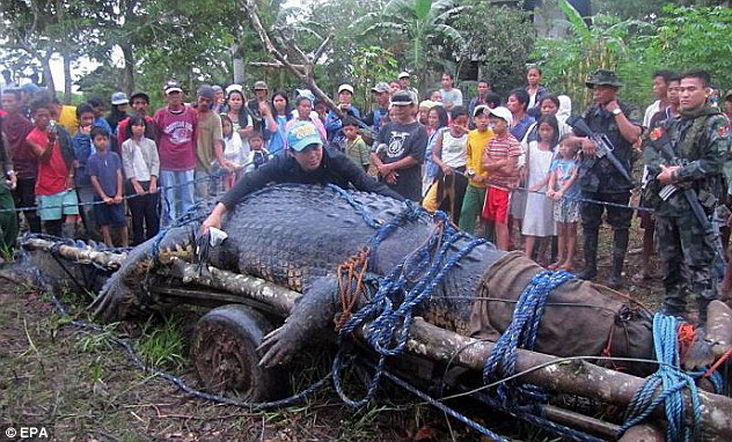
x,y
599,179
688,152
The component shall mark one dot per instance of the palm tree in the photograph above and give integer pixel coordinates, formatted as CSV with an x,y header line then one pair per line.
x,y
424,24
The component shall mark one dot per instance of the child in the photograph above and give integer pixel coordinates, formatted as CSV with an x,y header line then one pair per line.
x,y
356,148
538,220
142,166
563,189
258,155
475,193
105,170
235,152
83,149
500,160
450,155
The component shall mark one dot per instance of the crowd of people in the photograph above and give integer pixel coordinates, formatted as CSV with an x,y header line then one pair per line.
x,y
497,166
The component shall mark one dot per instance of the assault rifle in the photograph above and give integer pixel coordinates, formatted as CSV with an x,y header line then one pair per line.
x,y
663,146
603,146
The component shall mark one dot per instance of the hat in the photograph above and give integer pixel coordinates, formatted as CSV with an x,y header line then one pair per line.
x,y
429,104
172,86
30,88
119,98
381,87
603,77
139,94
217,88
260,86
728,95
482,108
234,87
402,98
303,134
404,74
206,91
304,93
345,87
502,113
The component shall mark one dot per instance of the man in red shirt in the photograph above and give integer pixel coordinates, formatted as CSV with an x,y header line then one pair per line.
x,y
140,102
55,184
16,127
175,127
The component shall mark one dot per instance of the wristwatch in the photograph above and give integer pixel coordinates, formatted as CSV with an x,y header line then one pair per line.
x,y
617,111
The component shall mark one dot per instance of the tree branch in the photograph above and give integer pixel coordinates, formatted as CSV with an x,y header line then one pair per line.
x,y
323,46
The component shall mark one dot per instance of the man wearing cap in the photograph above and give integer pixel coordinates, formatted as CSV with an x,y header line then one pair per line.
x,y
307,162
333,123
401,148
261,91
209,144
140,102
405,84
120,103
382,94
451,96
175,127
599,179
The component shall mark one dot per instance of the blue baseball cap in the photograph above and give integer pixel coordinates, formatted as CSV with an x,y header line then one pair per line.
x,y
303,134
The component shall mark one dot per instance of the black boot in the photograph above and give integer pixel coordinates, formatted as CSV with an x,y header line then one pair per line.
x,y
590,269
620,246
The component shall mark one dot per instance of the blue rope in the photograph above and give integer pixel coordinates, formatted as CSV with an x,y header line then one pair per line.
x,y
522,332
672,381
407,285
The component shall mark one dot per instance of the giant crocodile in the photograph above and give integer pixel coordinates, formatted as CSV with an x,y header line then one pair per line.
x,y
297,235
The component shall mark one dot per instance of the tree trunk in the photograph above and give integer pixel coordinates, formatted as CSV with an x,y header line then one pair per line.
x,y
47,76
238,63
68,82
129,69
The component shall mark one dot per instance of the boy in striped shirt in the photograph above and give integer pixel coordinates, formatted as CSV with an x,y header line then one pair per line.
x,y
500,160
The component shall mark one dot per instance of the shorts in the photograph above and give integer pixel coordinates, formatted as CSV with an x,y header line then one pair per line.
x,y
109,215
54,207
566,211
497,202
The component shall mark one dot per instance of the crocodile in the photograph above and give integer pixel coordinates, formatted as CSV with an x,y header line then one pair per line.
x,y
297,235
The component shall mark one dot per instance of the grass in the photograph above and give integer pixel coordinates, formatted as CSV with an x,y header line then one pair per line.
x,y
163,345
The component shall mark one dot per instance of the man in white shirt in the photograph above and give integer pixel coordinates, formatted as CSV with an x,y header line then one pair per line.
x,y
451,96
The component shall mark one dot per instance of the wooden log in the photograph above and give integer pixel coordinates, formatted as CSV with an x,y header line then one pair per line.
x,y
577,377
109,260
719,327
643,433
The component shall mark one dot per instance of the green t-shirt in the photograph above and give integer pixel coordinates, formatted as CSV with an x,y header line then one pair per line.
x,y
358,152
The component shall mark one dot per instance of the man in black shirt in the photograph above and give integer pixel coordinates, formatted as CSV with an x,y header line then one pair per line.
x,y
599,179
401,148
307,162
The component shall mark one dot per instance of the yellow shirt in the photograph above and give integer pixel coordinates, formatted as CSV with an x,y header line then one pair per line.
x,y
477,141
67,119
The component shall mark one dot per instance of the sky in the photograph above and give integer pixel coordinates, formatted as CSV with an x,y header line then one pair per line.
x,y
85,65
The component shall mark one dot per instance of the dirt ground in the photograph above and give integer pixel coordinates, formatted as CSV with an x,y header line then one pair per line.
x,y
84,386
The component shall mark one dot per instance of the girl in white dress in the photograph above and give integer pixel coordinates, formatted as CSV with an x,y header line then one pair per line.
x,y
538,218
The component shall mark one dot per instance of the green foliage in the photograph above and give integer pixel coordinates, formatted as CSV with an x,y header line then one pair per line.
x,y
499,38
371,65
163,346
421,28
681,38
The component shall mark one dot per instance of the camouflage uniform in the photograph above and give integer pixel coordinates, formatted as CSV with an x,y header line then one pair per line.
x,y
700,141
600,180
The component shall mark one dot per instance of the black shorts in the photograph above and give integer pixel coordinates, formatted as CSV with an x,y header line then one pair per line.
x,y
109,215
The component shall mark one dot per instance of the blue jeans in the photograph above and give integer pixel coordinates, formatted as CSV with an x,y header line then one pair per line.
x,y
177,194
